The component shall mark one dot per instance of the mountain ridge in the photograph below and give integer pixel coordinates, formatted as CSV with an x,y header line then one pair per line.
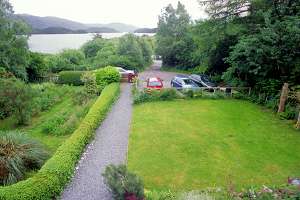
x,y
40,23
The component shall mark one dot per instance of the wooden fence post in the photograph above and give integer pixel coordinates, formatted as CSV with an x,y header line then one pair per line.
x,y
298,122
283,97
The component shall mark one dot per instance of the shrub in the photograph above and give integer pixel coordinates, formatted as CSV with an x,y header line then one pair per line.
x,y
90,84
15,99
81,97
47,95
122,183
155,95
71,77
18,154
57,171
289,113
107,75
160,195
52,126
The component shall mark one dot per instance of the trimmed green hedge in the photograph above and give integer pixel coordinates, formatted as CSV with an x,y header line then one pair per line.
x,y
70,77
50,181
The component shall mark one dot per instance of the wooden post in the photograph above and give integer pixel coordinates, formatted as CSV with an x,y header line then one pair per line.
x,y
298,122
283,97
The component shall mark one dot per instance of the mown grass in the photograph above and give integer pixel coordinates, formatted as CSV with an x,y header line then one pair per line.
x,y
186,145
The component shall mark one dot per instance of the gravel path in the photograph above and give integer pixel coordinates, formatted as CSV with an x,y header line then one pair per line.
x,y
109,147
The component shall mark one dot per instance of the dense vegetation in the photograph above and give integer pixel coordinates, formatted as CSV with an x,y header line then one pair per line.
x,y
244,43
57,171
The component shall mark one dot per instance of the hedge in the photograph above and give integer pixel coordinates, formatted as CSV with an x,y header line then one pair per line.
x,y
70,77
51,179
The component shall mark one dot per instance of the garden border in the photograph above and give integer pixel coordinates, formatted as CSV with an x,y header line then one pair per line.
x,y
50,181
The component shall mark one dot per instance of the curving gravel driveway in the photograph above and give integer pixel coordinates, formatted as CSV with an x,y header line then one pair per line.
x,y
109,147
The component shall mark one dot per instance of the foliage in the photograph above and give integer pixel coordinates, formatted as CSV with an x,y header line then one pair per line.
x,y
47,95
130,48
154,95
52,126
90,84
82,96
265,193
37,67
174,41
128,51
71,77
123,183
15,99
13,42
269,54
19,154
91,48
160,195
57,171
67,60
106,76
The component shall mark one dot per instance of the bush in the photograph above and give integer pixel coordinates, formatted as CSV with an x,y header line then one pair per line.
x,y
155,95
16,99
47,95
50,181
52,126
81,97
160,195
18,155
71,77
90,84
107,75
122,183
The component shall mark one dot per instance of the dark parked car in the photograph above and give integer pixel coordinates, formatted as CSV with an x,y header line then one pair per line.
x,y
202,80
183,82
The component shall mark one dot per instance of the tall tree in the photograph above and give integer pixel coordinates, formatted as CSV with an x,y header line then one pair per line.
x,y
174,41
13,42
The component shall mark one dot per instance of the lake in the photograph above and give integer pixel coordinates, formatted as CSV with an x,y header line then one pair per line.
x,y
54,43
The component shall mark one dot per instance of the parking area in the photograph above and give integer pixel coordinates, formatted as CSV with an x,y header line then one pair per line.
x,y
154,71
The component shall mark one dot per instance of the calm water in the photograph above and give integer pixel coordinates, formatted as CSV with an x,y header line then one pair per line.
x,y
54,43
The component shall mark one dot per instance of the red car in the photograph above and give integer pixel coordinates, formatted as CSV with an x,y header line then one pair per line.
x,y
154,83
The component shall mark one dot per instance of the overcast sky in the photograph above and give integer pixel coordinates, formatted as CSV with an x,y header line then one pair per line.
x,y
142,13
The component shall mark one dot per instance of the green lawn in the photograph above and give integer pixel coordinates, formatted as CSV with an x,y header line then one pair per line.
x,y
186,145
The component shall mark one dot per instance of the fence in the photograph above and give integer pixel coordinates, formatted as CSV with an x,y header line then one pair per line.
x,y
50,78
287,94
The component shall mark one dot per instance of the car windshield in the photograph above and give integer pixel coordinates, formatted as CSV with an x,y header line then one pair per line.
x,y
188,81
121,70
205,78
154,84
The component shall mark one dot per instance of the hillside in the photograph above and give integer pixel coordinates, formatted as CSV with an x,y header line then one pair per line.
x,y
146,30
39,24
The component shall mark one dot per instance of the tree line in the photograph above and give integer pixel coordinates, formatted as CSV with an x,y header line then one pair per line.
x,y
252,43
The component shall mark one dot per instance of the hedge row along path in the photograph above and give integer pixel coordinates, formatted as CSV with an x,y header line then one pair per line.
x,y
109,147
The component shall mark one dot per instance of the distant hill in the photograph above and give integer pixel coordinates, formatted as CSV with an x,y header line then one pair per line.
x,y
146,30
43,24
56,30
117,26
